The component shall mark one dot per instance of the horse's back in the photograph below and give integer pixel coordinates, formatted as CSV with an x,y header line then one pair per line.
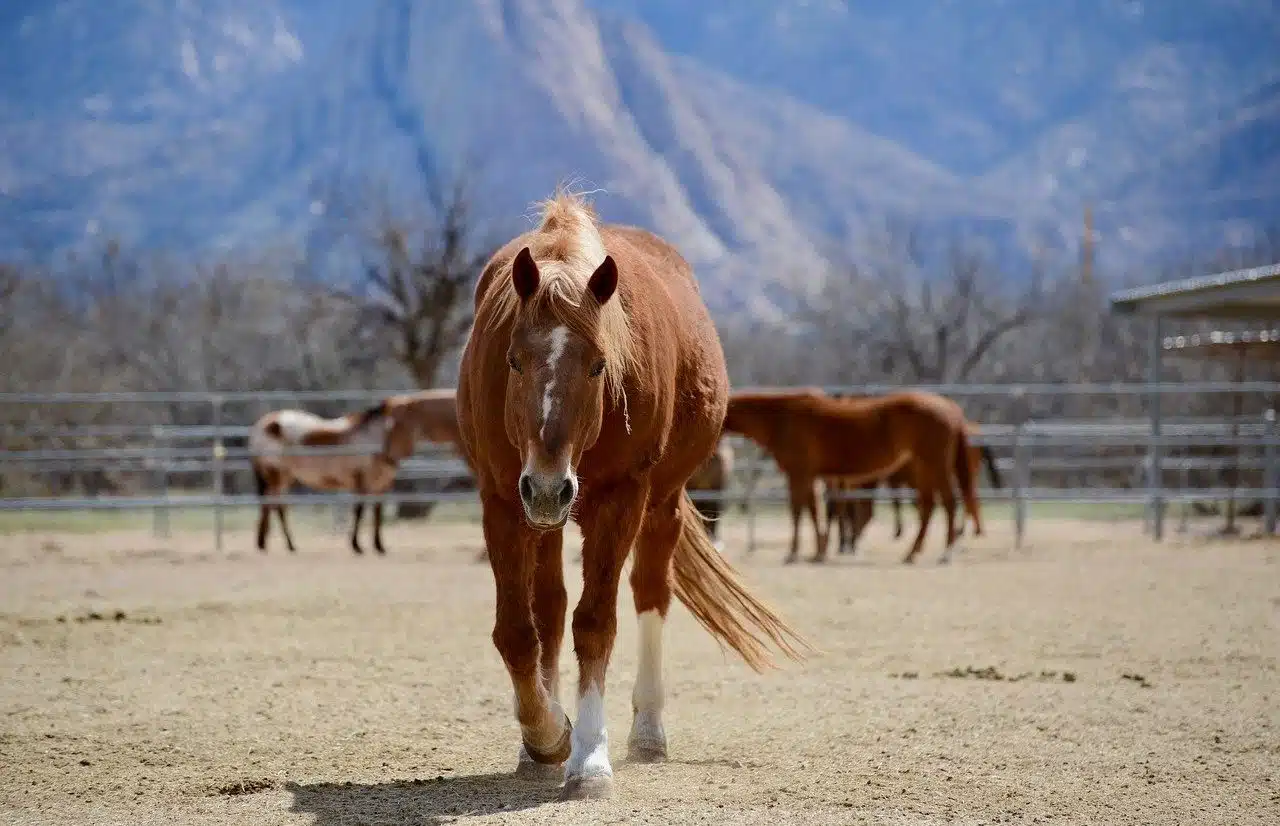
x,y
665,260
285,427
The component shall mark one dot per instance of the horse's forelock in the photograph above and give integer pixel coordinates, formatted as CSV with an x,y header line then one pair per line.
x,y
567,247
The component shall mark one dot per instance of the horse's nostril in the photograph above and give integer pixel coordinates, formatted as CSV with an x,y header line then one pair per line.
x,y
566,493
526,488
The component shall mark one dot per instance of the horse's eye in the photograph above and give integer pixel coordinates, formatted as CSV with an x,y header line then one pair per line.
x,y
515,363
597,368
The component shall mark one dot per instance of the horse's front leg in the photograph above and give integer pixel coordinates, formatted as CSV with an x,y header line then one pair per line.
x,y
544,727
549,602
610,522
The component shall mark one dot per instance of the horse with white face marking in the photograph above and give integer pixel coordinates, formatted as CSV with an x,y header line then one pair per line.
x,y
592,387
360,452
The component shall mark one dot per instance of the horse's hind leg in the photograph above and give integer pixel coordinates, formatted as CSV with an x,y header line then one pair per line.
x,y
924,501
897,512
950,505
651,592
820,536
797,511
284,526
355,528
378,528
264,525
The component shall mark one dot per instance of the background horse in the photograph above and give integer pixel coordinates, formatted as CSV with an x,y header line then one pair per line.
x,y
576,403
853,515
367,448
811,435
713,475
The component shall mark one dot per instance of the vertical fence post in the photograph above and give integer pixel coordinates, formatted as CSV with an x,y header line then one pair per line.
x,y
1020,477
219,456
1185,477
160,482
1271,473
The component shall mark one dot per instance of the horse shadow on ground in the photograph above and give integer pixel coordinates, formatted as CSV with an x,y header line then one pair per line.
x,y
437,801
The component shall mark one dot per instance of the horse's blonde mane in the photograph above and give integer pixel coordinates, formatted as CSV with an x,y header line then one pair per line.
x,y
567,247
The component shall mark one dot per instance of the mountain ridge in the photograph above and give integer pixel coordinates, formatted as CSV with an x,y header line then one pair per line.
x,y
761,138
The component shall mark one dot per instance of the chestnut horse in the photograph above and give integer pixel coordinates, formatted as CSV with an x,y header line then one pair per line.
x,y
592,386
855,515
811,436
359,452
713,475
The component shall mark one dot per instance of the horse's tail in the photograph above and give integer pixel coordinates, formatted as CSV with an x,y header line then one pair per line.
x,y
709,587
967,478
989,459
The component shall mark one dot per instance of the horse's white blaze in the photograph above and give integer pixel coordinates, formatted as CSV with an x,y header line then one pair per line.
x,y
557,337
589,756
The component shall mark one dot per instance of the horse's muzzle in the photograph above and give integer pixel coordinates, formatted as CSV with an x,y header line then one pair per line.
x,y
547,498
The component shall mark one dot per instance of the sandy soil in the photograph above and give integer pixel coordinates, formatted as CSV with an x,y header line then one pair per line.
x,y
1092,677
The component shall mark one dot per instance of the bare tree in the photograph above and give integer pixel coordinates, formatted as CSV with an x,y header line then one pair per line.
x,y
415,290
941,329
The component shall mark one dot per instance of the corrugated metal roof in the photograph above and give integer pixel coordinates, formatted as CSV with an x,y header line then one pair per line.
x,y
1126,300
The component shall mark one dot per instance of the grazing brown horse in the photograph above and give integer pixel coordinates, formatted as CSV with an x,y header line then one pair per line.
x,y
713,475
364,452
592,387
811,435
854,515
851,516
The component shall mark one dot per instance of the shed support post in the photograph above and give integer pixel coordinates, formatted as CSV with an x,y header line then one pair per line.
x,y
1155,496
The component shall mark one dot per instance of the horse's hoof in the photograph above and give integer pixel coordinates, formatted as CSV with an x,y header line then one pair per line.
x,y
909,559
817,560
791,560
558,753
599,787
381,551
356,549
529,769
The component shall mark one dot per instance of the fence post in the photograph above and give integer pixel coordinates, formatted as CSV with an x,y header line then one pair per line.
x,y
160,481
1270,472
1020,476
1185,477
219,455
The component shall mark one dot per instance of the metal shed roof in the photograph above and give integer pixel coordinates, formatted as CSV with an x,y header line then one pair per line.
x,y
1252,293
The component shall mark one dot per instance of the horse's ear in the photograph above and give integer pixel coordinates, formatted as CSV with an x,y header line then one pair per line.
x,y
604,280
524,274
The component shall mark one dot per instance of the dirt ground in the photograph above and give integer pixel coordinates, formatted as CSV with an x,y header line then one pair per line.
x,y
1091,677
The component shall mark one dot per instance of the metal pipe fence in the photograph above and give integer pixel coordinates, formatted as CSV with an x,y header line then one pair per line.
x,y
1118,460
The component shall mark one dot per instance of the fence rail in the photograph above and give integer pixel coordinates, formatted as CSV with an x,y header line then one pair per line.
x,y
1087,457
